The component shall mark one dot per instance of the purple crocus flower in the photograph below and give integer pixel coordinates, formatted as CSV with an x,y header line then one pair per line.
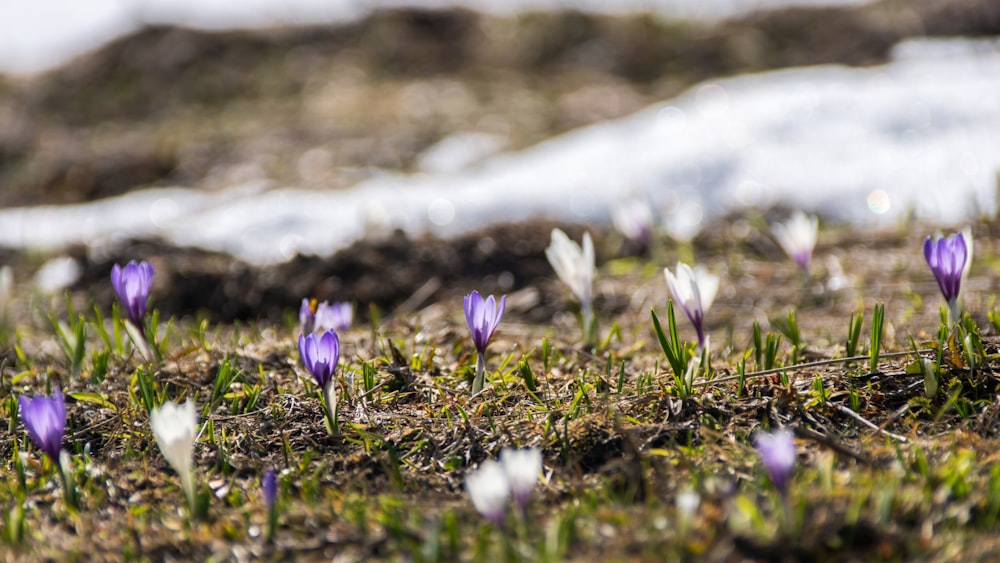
x,y
318,317
337,316
132,285
269,485
45,420
483,317
946,257
777,452
320,354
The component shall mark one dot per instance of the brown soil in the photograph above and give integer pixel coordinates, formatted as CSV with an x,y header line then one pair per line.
x,y
619,440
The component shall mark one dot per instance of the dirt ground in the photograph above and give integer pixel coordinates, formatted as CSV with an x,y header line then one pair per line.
x,y
885,470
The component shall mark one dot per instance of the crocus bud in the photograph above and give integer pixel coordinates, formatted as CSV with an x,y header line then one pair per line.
x,y
175,429
489,489
946,258
320,354
522,467
269,486
777,452
132,284
483,316
797,237
45,420
694,290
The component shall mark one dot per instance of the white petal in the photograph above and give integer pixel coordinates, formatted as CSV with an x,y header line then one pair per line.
x,y
488,488
573,265
708,286
522,467
174,427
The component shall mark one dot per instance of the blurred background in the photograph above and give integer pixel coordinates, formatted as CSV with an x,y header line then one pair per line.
x,y
271,129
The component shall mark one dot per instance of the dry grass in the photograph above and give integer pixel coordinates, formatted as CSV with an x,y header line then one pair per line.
x,y
883,471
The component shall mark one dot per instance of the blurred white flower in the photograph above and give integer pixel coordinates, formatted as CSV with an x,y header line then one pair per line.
x,y
489,489
175,430
687,504
522,467
57,274
694,290
573,265
797,237
634,220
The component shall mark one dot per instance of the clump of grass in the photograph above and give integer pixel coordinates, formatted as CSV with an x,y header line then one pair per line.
x,y
619,438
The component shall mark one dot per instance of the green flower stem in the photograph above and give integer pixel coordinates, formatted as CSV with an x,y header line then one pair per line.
x,y
69,487
272,522
479,382
589,322
329,399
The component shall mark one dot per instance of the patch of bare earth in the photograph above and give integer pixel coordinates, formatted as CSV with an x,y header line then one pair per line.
x,y
884,470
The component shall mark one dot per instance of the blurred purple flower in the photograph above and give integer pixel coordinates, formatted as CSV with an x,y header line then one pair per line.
x,y
777,452
337,316
483,317
132,285
269,485
947,257
323,316
320,354
45,419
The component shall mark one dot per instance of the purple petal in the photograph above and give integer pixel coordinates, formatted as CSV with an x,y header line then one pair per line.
x,y
483,318
45,420
777,453
269,485
132,284
946,258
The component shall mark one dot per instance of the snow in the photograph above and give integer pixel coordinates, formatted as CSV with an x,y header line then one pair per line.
x,y
868,145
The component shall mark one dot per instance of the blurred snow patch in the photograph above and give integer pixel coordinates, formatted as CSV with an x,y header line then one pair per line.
x,y
459,151
871,145
57,274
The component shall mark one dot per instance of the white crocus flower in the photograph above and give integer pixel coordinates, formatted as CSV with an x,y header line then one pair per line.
x,y
694,290
575,267
489,489
797,237
522,467
175,430
634,219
